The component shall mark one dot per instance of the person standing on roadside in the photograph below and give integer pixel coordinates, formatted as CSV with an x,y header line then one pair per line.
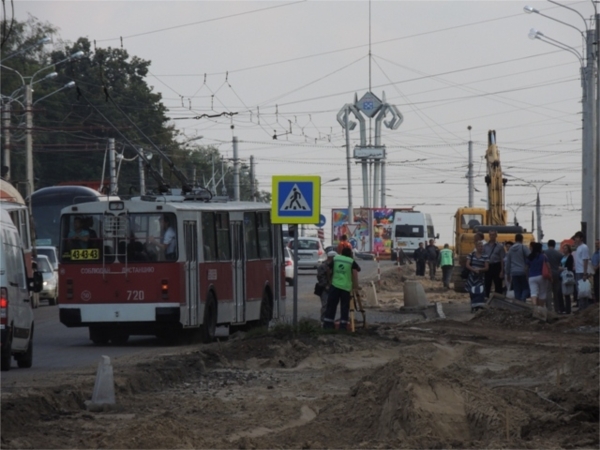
x,y
324,281
554,258
447,264
567,287
516,268
479,236
538,285
344,243
595,266
507,287
495,253
420,256
477,263
582,259
433,256
344,278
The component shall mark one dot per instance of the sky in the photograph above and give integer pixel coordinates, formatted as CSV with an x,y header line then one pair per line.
x,y
288,68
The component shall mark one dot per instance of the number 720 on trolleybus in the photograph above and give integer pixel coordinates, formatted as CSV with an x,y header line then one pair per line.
x,y
166,268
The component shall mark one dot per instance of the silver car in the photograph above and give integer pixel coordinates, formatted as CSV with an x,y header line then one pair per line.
x,y
310,252
50,286
51,253
289,267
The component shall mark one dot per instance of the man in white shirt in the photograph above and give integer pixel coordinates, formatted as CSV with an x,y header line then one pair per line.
x,y
582,259
168,238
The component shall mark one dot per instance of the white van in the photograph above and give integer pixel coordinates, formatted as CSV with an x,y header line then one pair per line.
x,y
410,228
16,315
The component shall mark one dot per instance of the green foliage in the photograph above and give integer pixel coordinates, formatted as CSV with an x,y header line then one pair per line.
x,y
71,128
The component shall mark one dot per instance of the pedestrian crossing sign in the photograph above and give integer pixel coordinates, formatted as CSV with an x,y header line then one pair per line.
x,y
296,199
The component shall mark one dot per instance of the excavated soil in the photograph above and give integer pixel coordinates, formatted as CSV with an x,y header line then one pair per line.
x,y
494,380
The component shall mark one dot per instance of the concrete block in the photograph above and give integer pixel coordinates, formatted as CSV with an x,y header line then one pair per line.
x,y
104,387
414,295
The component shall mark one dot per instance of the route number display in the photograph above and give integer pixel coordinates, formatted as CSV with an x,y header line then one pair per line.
x,y
85,255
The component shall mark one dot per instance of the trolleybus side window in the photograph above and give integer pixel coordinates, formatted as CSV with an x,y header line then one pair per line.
x,y
250,236
209,240
160,231
264,235
223,236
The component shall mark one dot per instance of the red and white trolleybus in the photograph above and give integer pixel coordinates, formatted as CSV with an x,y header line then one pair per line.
x,y
160,267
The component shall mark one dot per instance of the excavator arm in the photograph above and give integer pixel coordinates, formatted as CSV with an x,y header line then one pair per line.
x,y
495,183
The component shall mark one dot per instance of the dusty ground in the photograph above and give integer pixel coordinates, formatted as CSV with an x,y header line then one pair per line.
x,y
492,380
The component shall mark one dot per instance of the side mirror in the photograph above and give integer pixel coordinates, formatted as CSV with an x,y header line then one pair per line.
x,y
437,236
36,282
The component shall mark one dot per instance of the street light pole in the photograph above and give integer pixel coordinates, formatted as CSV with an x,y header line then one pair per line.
x,y
28,139
590,186
29,114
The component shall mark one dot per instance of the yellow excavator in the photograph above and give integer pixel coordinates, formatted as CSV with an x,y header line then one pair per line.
x,y
469,221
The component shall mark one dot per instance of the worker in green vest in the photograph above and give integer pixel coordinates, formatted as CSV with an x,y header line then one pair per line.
x,y
446,261
344,278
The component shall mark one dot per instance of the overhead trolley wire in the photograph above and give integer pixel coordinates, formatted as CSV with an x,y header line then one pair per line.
x,y
201,22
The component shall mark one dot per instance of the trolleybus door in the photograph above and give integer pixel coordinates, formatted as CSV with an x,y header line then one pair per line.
x,y
239,271
190,238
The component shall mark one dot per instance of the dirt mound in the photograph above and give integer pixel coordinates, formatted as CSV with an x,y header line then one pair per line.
x,y
590,317
513,320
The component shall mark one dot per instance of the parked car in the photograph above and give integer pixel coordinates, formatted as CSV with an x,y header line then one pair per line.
x,y
50,285
289,267
310,252
51,253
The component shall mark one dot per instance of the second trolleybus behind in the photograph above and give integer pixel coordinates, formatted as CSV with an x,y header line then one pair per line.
x,y
165,268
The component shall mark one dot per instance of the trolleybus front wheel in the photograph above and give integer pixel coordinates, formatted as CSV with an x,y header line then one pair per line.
x,y
99,336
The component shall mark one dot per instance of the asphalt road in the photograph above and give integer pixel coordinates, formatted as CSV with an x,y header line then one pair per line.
x,y
57,347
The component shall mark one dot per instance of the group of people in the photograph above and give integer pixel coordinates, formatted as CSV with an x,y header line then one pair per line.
x,y
337,277
549,277
427,255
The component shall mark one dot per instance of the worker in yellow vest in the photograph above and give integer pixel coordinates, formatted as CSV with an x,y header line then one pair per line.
x,y
344,278
446,262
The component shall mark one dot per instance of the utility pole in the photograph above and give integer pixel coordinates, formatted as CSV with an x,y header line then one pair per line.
x,y
596,212
589,141
348,165
236,171
112,164
6,125
252,186
471,187
142,174
29,139
538,212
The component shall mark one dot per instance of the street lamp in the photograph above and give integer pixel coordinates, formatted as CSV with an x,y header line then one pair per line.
x,y
42,41
515,211
29,114
538,207
529,10
6,107
590,154
536,34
